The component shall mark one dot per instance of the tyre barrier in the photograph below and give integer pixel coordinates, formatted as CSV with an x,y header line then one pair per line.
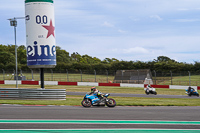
x,y
36,94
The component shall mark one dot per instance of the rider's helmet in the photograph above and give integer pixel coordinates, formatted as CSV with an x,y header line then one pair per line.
x,y
93,89
149,85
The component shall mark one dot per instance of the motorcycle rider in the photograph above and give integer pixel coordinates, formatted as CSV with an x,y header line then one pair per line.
x,y
95,91
189,90
148,87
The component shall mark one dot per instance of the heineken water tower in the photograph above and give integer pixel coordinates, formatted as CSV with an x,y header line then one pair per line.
x,y
40,35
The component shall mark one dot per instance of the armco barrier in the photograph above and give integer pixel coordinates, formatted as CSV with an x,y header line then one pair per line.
x,y
30,82
50,82
87,84
1,81
198,87
12,82
67,83
131,85
160,86
109,84
95,84
37,94
181,87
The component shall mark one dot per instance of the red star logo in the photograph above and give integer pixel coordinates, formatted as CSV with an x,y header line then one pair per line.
x,y
50,29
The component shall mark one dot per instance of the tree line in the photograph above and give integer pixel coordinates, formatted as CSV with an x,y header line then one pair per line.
x,y
76,62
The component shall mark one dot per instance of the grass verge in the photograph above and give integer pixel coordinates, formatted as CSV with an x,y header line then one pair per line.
x,y
121,101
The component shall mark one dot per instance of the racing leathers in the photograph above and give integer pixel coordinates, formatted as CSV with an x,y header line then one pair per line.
x,y
98,94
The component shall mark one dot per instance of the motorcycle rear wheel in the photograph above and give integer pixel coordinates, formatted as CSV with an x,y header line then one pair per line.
x,y
111,102
86,103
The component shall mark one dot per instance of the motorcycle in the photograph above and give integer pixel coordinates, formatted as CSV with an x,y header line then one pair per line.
x,y
93,100
192,92
150,91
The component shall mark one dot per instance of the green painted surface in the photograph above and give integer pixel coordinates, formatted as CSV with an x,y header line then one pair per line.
x,y
103,121
26,1
102,131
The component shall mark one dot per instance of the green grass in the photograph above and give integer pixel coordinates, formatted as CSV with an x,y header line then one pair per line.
x,y
121,101
62,77
141,101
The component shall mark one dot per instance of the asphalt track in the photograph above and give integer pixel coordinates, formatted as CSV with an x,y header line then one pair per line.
x,y
24,118
139,95
76,119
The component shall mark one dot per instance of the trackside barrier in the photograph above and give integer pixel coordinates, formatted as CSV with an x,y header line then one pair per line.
x,y
36,94
158,86
12,82
131,85
109,84
1,81
67,83
87,84
95,84
198,87
30,82
181,87
50,82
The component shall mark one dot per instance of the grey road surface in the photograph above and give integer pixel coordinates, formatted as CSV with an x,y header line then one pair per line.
x,y
97,113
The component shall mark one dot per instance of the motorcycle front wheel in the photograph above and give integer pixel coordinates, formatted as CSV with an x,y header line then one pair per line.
x,y
147,92
111,102
86,103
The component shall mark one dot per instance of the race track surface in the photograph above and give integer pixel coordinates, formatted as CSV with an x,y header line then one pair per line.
x,y
77,117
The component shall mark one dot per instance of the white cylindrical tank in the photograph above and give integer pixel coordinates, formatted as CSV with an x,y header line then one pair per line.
x,y
40,33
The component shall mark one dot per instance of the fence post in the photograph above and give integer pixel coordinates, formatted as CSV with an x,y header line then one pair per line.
x,y
51,75
32,74
67,76
189,78
171,76
81,74
122,76
95,74
3,74
107,75
155,76
42,77
138,76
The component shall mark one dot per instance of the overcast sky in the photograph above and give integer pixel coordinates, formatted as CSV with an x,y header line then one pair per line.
x,y
122,29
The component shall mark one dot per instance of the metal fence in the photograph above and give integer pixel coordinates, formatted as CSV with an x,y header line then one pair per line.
x,y
187,78
68,76
42,94
104,76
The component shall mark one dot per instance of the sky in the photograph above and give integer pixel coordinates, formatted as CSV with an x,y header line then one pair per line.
x,y
129,30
